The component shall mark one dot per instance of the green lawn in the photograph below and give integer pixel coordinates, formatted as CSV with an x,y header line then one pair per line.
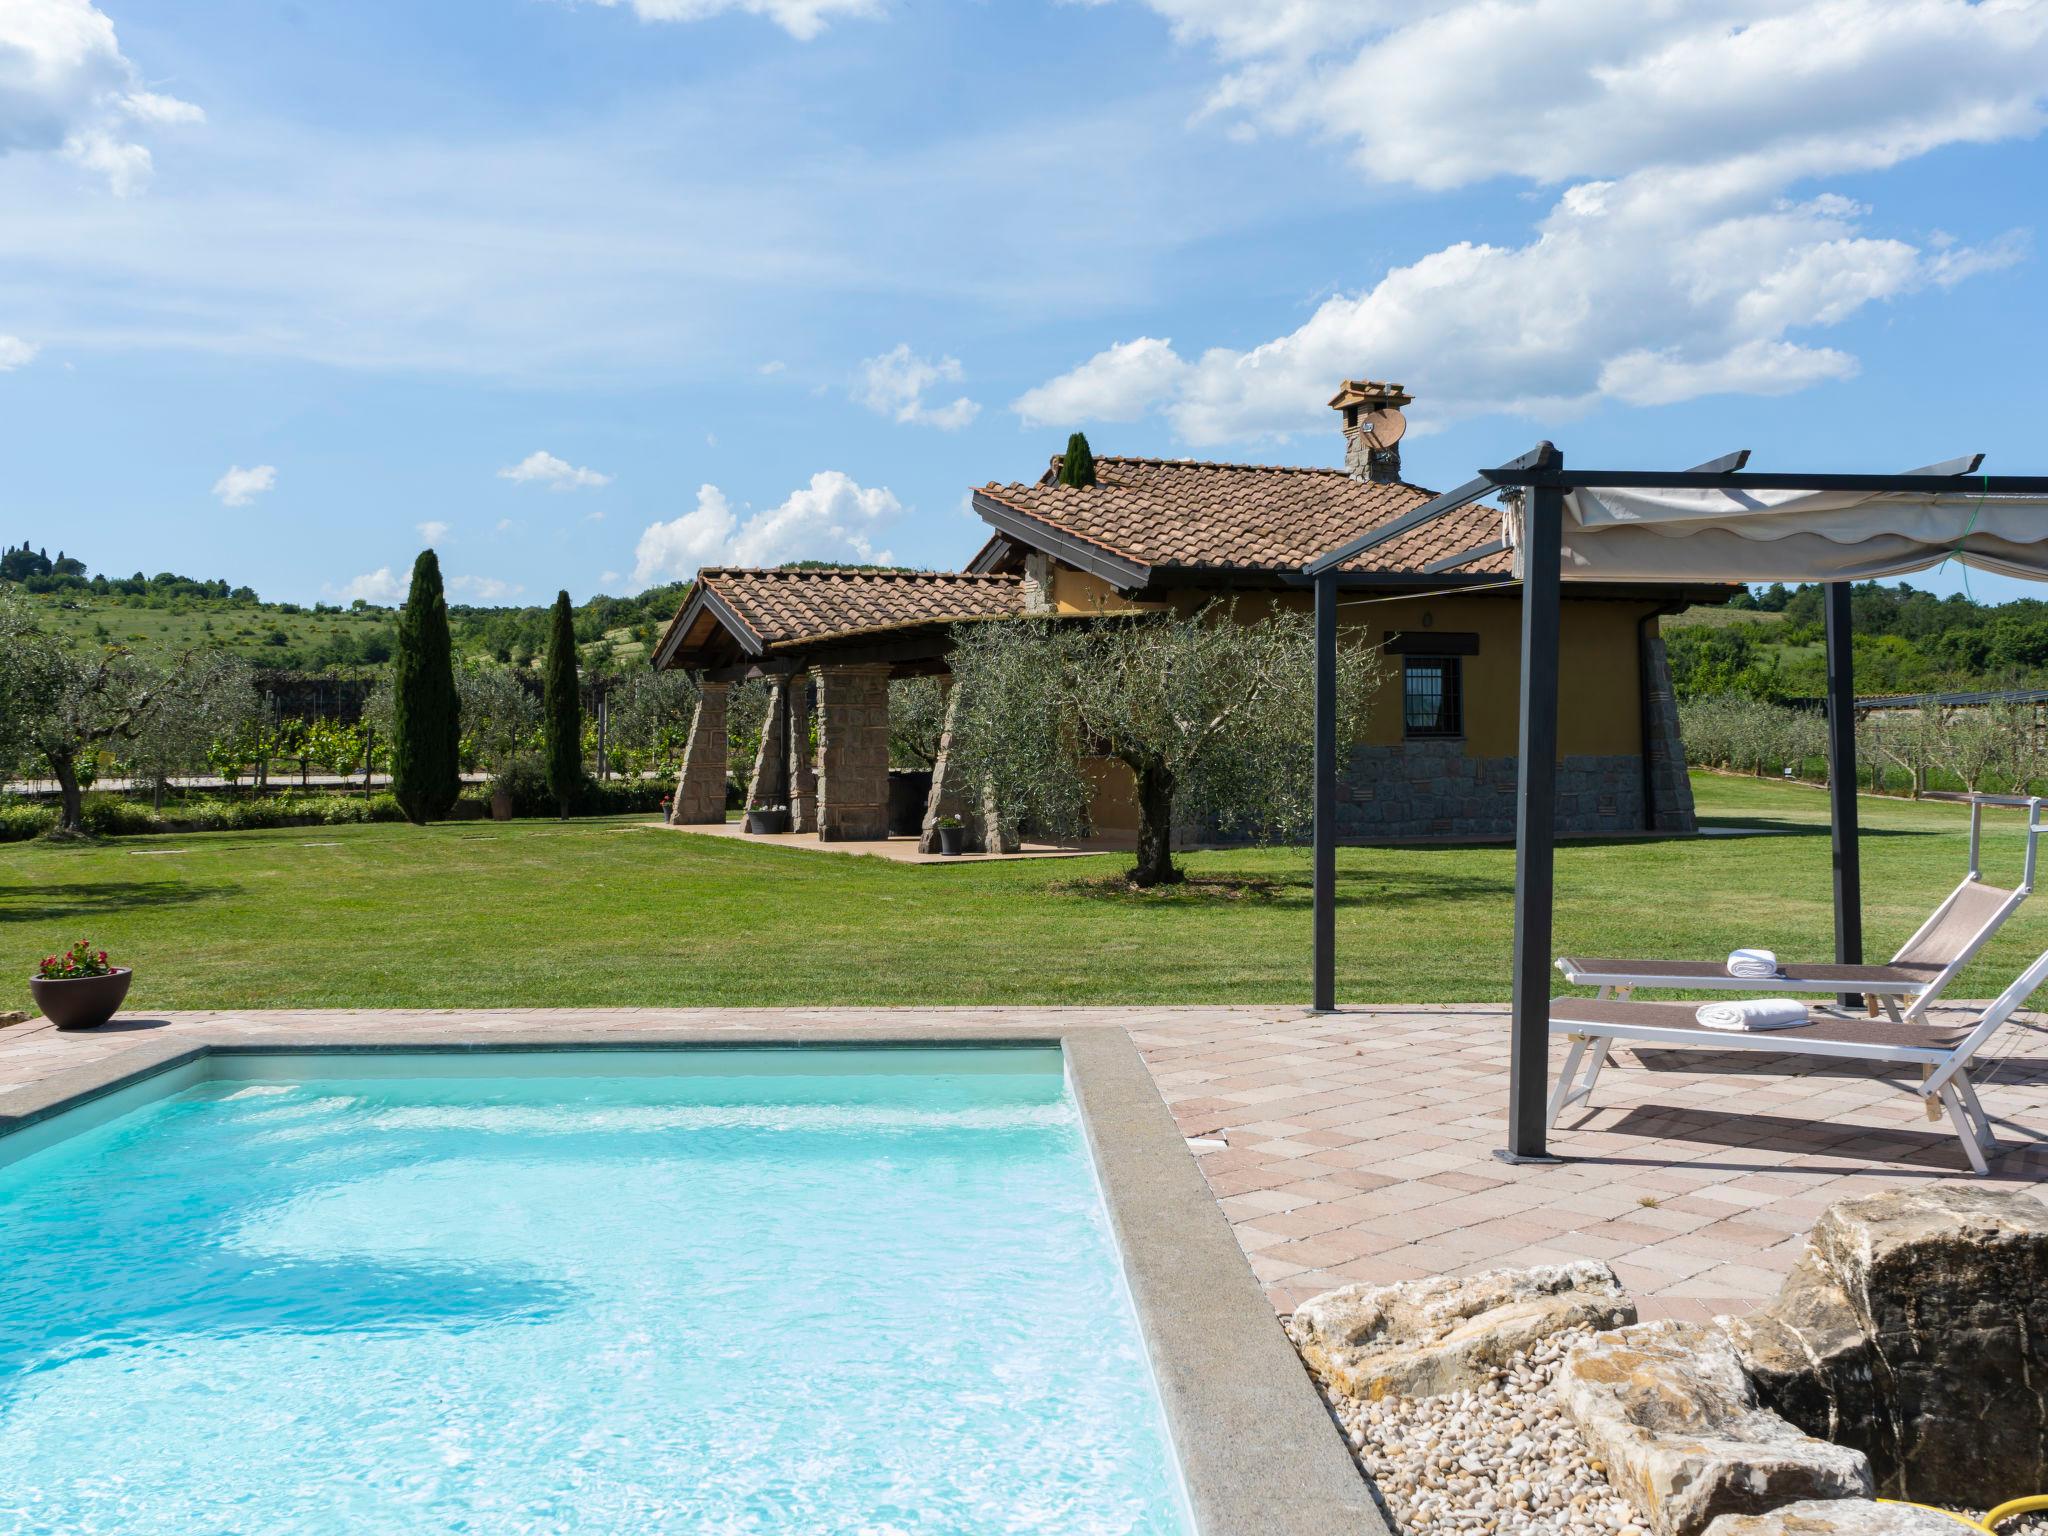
x,y
618,912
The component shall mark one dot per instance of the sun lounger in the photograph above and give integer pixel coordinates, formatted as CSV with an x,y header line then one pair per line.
x,y
1942,1052
1918,974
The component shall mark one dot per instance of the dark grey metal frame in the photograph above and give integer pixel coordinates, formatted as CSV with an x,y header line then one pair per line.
x,y
1541,476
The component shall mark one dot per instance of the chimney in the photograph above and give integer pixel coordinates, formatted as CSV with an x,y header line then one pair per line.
x,y
1373,425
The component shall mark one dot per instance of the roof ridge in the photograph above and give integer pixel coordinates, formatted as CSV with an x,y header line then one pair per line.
x,y
1264,469
777,571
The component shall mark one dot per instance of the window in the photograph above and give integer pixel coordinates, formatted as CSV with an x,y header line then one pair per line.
x,y
1432,700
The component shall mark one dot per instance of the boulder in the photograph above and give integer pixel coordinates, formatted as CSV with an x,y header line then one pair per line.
x,y
1666,1409
1423,1337
1839,1517
1915,1328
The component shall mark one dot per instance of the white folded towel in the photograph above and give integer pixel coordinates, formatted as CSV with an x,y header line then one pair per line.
x,y
1753,1013
1752,962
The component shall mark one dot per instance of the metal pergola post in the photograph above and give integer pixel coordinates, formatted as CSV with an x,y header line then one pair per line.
x,y
1843,831
1324,991
1535,816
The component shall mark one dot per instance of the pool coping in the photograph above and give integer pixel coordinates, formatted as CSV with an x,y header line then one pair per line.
x,y
1259,1453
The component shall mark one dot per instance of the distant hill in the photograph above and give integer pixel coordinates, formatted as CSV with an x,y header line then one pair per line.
x,y
1769,644
168,614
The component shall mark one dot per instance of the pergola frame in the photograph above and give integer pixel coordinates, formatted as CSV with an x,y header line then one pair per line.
x,y
1542,479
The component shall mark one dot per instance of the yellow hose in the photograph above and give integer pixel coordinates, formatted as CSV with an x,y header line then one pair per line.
x,y
2011,1507
1992,1517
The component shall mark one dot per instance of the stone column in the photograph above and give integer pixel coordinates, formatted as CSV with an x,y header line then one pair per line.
x,y
1670,807
769,783
853,753
800,777
700,790
946,798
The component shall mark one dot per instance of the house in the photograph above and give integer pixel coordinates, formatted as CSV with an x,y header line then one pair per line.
x,y
1438,756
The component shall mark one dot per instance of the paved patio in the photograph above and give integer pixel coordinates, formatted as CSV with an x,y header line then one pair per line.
x,y
1358,1146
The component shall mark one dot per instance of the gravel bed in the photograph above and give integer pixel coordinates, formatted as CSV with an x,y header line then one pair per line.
x,y
1503,1458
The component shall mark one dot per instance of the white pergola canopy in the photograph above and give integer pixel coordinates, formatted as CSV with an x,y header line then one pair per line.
x,y
1710,523
1703,535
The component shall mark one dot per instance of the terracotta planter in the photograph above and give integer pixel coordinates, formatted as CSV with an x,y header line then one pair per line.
x,y
80,1002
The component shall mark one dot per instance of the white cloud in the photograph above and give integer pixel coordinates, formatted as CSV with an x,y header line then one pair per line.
x,y
239,486
16,353
802,19
66,87
773,366
894,384
485,589
832,518
505,525
1673,260
432,532
1120,384
378,586
543,468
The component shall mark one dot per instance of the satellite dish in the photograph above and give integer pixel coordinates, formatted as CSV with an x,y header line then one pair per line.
x,y
1383,427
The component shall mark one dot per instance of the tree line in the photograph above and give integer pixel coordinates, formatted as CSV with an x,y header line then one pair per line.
x,y
73,713
1906,641
1993,748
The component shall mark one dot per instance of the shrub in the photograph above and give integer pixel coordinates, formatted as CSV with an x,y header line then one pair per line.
x,y
20,822
525,780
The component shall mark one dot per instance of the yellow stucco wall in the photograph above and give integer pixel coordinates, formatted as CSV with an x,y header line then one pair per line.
x,y
1599,697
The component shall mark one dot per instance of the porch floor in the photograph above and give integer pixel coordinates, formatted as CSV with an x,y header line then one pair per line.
x,y
904,850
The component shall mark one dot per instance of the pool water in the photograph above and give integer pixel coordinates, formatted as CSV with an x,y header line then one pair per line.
x,y
816,1293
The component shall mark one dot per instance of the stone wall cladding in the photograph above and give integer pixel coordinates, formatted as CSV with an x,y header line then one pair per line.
x,y
769,782
700,787
1671,803
1432,789
800,779
853,753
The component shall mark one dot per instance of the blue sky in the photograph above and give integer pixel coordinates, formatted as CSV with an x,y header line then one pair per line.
x,y
594,293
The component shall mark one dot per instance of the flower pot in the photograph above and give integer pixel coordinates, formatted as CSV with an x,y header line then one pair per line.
x,y
501,805
773,818
951,839
80,1002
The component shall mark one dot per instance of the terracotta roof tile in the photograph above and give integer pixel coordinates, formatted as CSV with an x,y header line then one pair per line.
x,y
804,607
1195,515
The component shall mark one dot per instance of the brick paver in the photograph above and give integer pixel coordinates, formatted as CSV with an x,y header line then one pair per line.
x,y
1358,1146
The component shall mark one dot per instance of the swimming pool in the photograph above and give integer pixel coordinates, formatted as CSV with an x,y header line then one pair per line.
x,y
863,1292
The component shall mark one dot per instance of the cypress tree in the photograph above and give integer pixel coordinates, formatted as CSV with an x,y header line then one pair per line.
x,y
426,726
562,709
1077,464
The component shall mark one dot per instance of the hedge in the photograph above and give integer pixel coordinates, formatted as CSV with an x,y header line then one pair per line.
x,y
115,816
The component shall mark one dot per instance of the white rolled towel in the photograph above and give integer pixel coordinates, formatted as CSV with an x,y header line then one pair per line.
x,y
1752,962
1753,1013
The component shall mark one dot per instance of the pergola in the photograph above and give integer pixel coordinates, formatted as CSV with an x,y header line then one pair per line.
x,y
1717,521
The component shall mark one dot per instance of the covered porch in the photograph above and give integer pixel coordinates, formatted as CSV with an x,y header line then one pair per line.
x,y
827,645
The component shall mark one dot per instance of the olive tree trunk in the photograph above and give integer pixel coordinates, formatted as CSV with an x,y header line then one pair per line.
x,y
1155,826
64,768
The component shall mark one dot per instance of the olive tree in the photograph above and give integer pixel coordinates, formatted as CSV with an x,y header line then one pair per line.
x,y
649,718
500,717
1213,715
1971,744
67,706
28,682
213,699
917,719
